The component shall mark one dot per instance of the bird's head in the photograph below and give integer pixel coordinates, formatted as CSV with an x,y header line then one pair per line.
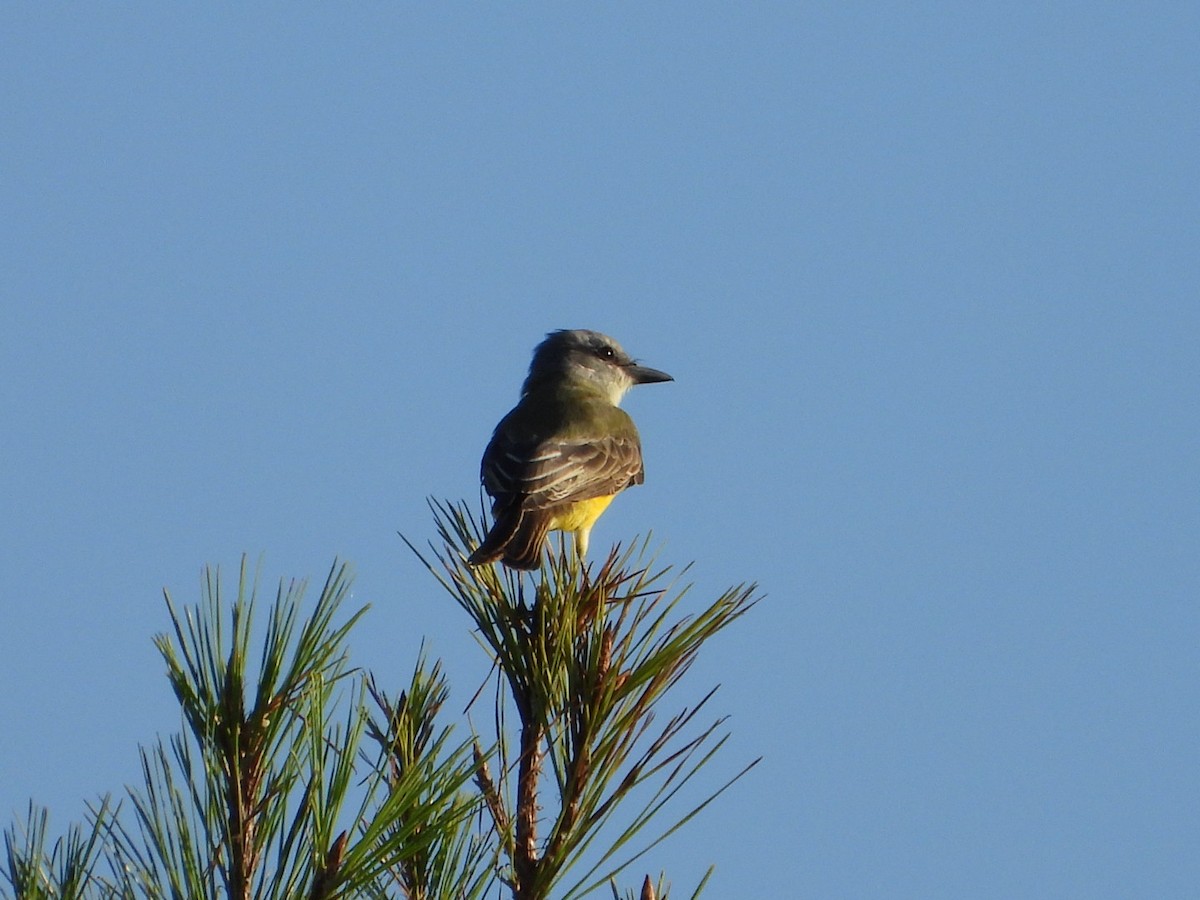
x,y
590,358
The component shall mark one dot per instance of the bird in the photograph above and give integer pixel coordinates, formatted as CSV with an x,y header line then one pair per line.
x,y
557,459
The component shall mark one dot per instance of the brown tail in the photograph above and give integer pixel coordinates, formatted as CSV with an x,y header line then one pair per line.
x,y
516,537
492,548
524,551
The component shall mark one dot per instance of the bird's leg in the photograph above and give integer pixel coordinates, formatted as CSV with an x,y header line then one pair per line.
x,y
581,545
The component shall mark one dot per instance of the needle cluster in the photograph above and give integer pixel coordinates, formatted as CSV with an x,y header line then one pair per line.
x,y
295,776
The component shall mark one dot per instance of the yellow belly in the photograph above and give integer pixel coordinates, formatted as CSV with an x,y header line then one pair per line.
x,y
580,516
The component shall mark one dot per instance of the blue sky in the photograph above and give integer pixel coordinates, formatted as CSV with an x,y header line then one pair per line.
x,y
926,276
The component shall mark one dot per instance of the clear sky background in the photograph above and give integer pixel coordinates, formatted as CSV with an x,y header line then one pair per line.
x,y
926,275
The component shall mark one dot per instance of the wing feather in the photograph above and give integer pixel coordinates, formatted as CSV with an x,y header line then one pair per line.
x,y
552,472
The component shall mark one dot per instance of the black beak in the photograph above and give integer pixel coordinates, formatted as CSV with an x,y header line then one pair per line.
x,y
646,375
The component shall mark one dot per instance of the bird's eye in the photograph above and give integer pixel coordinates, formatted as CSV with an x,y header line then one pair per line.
x,y
606,352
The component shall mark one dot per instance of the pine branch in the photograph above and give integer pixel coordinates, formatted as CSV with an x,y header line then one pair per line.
x,y
588,656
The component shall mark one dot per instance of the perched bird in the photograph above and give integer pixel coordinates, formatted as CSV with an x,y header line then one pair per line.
x,y
565,450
